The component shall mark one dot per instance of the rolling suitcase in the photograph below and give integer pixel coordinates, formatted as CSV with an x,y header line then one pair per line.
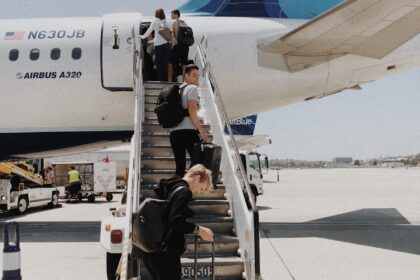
x,y
213,277
209,155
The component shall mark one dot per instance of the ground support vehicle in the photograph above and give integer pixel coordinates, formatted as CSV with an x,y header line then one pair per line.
x,y
111,238
97,178
255,164
21,188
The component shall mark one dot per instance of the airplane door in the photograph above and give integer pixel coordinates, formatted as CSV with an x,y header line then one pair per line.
x,y
116,56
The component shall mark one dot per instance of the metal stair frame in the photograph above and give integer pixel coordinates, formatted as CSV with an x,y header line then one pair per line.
x,y
246,221
133,188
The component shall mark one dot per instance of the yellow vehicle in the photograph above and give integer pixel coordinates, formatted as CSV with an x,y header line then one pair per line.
x,y
21,187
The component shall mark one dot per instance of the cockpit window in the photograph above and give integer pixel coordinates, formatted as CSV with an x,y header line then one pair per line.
x,y
34,54
13,55
55,54
76,53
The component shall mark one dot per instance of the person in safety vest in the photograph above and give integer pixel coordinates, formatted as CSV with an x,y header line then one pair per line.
x,y
74,181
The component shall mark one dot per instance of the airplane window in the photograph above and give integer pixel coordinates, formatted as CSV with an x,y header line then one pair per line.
x,y
13,55
76,53
55,54
34,55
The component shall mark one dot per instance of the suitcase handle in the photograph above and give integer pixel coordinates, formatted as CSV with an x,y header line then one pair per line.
x,y
213,277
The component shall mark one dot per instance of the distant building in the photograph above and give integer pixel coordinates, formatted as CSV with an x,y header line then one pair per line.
x,y
392,162
342,160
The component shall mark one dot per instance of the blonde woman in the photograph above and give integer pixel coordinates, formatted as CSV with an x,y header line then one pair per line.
x,y
167,265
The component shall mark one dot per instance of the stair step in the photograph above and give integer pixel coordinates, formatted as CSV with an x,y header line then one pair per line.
x,y
154,176
160,137
152,85
150,104
158,150
153,92
160,162
155,127
224,266
154,120
224,245
210,207
219,225
149,113
151,118
151,98
152,127
218,194
155,138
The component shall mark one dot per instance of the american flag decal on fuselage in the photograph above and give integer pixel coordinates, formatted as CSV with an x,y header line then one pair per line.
x,y
14,35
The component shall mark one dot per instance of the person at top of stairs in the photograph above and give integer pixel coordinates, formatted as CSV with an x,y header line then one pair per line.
x,y
167,265
189,131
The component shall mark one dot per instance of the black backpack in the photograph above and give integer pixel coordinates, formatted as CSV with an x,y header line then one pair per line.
x,y
185,34
169,107
150,227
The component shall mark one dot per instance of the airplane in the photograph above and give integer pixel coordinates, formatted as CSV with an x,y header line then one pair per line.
x,y
67,82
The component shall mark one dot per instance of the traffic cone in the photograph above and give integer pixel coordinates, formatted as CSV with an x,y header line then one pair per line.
x,y
11,253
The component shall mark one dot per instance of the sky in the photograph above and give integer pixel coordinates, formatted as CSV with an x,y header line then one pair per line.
x,y
382,119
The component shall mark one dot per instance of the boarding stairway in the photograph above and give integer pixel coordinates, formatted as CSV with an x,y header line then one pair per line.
x,y
211,210
151,159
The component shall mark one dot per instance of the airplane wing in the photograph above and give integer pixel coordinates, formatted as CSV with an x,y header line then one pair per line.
x,y
370,28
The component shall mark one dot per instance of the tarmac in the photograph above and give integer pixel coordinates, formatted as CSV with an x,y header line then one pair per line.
x,y
341,224
315,224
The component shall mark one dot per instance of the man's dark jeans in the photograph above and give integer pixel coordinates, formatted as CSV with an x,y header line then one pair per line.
x,y
183,140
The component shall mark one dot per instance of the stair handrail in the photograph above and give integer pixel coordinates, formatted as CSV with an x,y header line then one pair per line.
x,y
240,172
133,190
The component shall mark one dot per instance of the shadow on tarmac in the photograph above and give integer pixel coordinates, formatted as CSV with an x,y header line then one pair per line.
x,y
383,228
262,208
7,215
57,231
85,202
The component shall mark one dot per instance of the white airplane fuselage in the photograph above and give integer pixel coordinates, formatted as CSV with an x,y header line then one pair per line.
x,y
92,94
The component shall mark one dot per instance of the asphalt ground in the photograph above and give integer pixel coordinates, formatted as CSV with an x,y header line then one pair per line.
x,y
341,224
315,224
